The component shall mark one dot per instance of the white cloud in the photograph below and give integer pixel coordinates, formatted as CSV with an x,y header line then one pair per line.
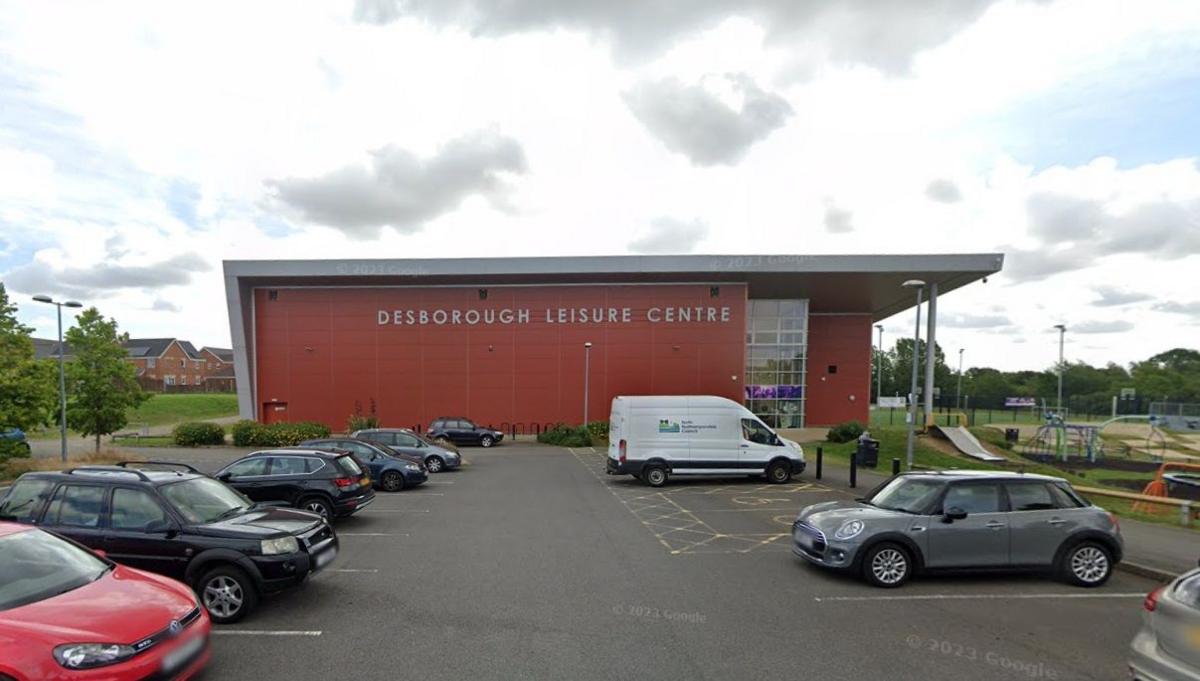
x,y
1111,296
1112,326
838,220
668,235
943,191
100,279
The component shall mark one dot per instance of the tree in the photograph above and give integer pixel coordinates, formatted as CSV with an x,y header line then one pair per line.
x,y
100,383
27,387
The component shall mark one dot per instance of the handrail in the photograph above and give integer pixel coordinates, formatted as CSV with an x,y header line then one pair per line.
x,y
1133,496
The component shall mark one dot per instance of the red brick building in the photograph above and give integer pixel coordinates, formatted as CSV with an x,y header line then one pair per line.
x,y
170,364
505,341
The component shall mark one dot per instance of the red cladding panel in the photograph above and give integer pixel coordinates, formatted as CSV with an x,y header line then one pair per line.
x,y
515,357
839,369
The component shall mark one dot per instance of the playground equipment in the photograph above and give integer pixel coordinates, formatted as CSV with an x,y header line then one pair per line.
x,y
1083,439
1158,487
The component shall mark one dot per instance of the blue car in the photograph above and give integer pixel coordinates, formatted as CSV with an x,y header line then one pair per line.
x,y
390,472
18,436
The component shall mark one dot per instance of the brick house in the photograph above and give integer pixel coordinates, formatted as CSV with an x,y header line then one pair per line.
x,y
173,365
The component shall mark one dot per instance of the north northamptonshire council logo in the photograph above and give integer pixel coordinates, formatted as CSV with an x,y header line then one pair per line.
x,y
665,426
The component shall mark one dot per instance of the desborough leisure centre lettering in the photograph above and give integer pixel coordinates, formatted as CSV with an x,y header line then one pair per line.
x,y
556,315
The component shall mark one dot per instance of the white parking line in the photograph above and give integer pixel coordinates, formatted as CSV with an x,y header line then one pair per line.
x,y
262,632
392,510
973,597
370,534
368,571
438,482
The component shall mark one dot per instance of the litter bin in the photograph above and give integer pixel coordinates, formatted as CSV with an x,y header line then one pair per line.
x,y
1012,435
867,453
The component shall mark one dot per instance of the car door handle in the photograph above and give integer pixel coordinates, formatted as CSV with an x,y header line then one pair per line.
x,y
1056,521
744,446
995,525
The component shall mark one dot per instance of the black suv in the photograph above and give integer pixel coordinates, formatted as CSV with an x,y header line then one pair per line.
x,y
330,484
178,523
462,431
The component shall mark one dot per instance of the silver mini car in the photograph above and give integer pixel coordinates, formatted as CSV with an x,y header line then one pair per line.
x,y
1168,646
960,520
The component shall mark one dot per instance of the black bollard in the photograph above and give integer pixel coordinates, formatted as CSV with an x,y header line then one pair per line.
x,y
819,457
895,466
853,470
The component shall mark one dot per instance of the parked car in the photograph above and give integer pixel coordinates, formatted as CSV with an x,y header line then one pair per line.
x,y
391,471
653,438
1167,648
330,484
65,609
462,431
181,524
437,458
16,436
955,520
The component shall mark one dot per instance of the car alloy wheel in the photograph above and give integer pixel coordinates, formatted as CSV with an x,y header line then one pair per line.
x,y
392,481
889,566
486,441
434,464
1089,564
223,596
317,506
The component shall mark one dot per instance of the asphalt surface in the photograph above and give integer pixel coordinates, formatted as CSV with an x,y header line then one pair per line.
x,y
530,563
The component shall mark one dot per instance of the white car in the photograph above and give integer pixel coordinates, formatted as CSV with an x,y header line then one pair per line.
x,y
1168,646
654,438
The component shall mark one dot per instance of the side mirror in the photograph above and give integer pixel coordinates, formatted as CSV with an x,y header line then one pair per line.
x,y
165,526
224,477
953,513
101,553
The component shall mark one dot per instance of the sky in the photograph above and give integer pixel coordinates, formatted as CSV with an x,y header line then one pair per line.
x,y
143,143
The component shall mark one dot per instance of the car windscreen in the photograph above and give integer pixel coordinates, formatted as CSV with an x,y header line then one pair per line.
x,y
910,495
36,566
349,465
203,500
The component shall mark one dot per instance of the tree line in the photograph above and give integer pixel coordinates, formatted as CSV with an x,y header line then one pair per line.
x,y
1171,376
100,385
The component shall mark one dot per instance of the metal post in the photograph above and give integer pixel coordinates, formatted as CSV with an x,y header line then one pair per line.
x,y
930,352
62,388
587,353
958,390
820,457
853,469
1062,332
912,395
879,368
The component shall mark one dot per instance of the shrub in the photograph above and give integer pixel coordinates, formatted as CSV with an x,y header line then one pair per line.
x,y
566,436
598,431
360,421
845,432
254,434
11,450
198,433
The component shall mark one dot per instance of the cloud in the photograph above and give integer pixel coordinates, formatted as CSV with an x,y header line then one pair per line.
x,y
943,191
1111,296
668,235
1175,307
404,191
696,121
1114,326
1023,266
104,278
837,220
971,321
161,305
884,35
1165,228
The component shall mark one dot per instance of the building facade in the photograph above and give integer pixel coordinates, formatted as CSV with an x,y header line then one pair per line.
x,y
174,365
523,343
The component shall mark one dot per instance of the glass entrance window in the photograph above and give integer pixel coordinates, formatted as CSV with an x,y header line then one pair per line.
x,y
776,353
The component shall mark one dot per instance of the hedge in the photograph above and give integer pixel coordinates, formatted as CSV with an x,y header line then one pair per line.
x,y
845,432
255,434
598,431
566,436
198,433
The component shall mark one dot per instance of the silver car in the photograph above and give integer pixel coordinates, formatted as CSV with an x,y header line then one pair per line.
x,y
1168,646
958,520
402,440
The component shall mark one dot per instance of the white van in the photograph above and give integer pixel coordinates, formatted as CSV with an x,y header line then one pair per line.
x,y
653,438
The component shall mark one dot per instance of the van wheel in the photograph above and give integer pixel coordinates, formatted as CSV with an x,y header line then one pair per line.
x,y
1086,564
655,476
779,472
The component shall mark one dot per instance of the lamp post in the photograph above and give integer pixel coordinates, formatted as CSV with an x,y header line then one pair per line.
x,y
916,360
1062,332
62,380
587,352
879,368
958,390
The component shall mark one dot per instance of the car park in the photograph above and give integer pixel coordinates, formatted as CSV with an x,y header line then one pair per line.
x,y
462,431
66,612
1167,647
654,438
329,484
181,524
437,457
391,471
959,520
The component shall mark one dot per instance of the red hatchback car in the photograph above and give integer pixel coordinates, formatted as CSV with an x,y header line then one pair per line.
x,y
67,613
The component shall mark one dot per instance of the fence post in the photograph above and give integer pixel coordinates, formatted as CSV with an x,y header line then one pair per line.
x,y
1185,513
820,456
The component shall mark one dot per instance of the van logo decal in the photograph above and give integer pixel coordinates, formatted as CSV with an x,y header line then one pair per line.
x,y
666,426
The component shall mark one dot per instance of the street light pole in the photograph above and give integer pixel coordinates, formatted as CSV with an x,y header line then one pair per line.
x,y
916,360
587,352
958,391
1062,332
62,375
879,368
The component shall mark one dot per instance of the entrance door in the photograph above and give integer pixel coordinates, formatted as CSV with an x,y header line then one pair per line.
x,y
274,412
